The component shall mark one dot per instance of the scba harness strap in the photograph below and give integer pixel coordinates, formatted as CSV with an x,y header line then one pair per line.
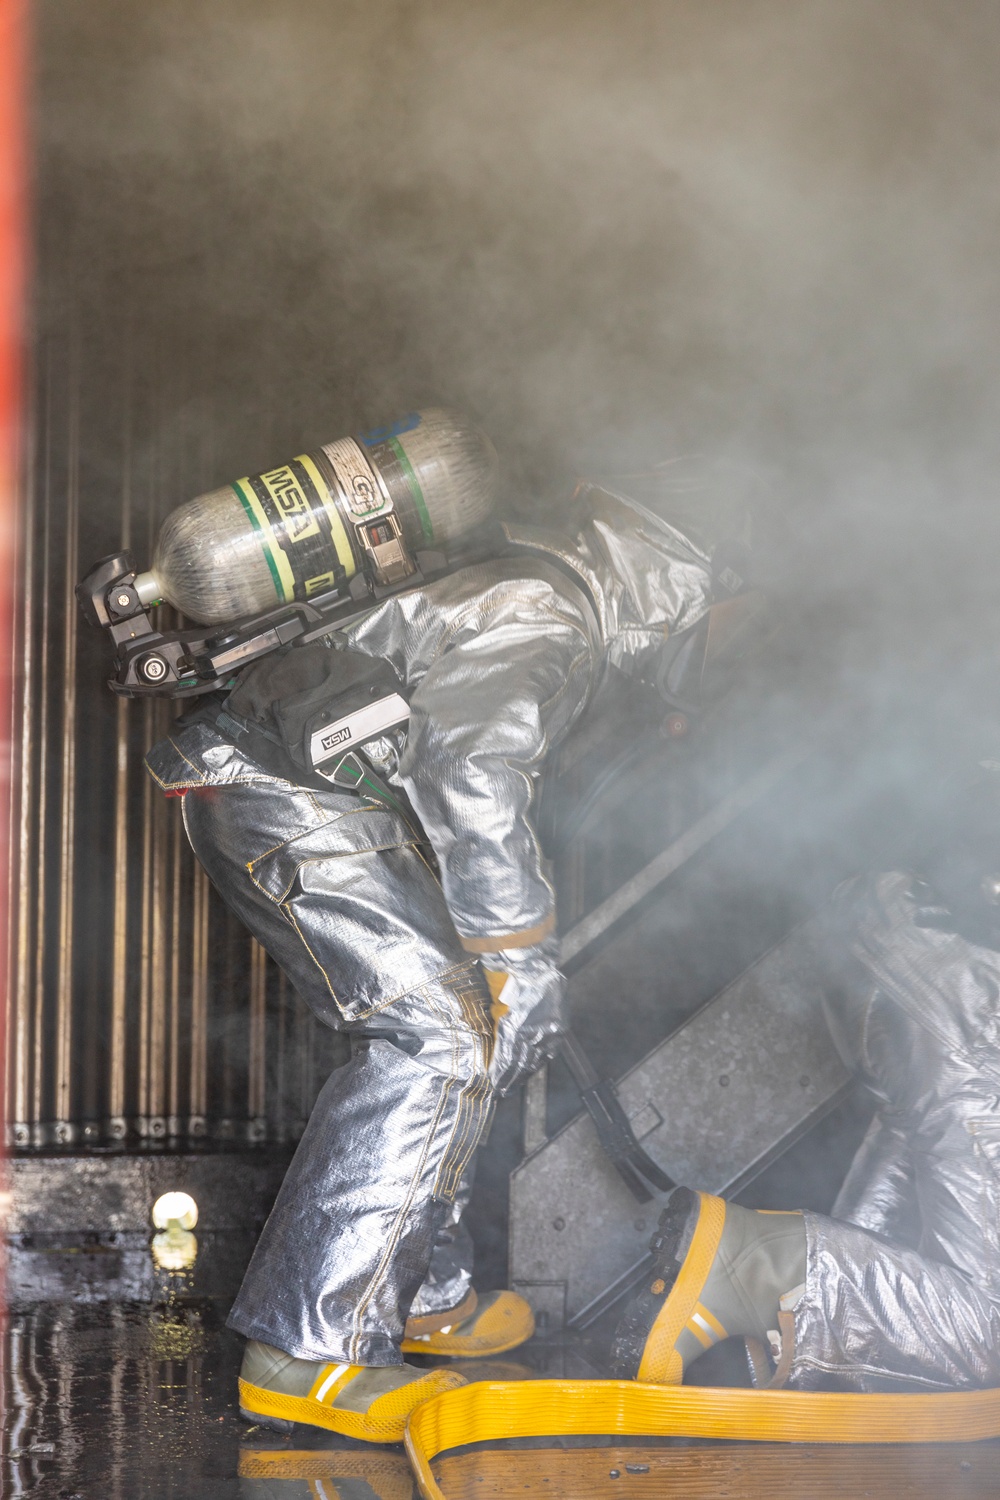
x,y
497,1411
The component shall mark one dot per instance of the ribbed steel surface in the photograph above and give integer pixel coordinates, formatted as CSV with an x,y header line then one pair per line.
x,y
140,1010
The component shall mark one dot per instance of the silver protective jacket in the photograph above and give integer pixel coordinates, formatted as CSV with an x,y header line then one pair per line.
x,y
498,661
903,1282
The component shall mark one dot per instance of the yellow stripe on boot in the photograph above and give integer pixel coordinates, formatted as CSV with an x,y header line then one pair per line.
x,y
661,1359
719,1271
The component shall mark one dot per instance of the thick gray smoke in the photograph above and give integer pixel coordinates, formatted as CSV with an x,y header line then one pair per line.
x,y
764,228
616,232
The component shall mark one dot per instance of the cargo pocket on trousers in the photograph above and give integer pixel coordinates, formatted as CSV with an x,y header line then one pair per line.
x,y
352,897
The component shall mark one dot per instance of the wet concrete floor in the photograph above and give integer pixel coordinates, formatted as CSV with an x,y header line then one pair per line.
x,y
132,1401
136,1402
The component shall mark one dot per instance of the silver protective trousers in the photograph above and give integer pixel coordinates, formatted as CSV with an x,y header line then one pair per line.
x,y
903,1283
367,1224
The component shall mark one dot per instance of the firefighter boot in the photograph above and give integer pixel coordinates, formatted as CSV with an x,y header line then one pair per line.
x,y
477,1328
720,1272
277,1390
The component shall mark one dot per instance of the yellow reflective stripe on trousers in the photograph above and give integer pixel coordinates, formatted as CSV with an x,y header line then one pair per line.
x,y
494,1410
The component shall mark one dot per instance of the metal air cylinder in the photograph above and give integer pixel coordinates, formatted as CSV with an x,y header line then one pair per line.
x,y
361,503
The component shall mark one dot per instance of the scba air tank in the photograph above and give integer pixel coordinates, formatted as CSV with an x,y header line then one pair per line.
x,y
361,504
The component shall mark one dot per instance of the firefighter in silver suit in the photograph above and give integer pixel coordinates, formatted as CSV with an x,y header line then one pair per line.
x,y
427,932
900,1287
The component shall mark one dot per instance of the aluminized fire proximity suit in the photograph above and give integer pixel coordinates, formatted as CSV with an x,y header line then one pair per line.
x,y
911,1296
497,661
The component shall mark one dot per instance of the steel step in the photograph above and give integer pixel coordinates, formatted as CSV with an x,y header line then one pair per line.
x,y
713,1104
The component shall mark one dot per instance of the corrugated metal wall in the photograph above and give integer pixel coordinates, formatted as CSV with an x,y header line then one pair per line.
x,y
140,1010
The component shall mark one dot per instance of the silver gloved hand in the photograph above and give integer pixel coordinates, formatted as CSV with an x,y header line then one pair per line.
x,y
528,1011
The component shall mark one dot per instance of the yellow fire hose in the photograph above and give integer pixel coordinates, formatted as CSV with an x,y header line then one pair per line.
x,y
492,1411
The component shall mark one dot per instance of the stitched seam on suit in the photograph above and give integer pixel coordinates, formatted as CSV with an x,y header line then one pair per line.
x,y
168,786
359,1015
200,774
866,1061
469,1118
381,1269
448,1176
584,656
456,1049
469,1123
529,825
318,858
372,1010
287,909
448,1023
479,1097
363,1015
206,780
828,1367
989,1191
308,832
474,1116
315,860
184,820
478,1114
588,587
205,783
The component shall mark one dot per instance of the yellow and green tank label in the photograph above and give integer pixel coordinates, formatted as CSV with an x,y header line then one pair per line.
x,y
302,535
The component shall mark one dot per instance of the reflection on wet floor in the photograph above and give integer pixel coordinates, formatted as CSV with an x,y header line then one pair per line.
x,y
301,1474
744,1471
122,1401
135,1402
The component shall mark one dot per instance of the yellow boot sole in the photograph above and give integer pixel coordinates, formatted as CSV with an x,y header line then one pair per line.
x,y
502,1321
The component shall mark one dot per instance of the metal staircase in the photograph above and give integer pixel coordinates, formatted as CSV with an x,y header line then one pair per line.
x,y
722,1062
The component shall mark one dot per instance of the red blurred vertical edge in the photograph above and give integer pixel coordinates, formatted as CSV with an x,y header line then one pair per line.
x,y
13,68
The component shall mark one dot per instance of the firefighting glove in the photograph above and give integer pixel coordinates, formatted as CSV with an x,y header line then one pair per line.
x,y
527,991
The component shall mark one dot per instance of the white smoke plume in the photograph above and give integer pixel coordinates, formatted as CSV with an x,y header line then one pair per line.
x,y
614,233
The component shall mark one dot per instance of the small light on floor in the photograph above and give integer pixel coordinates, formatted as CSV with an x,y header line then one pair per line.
x,y
175,1208
175,1248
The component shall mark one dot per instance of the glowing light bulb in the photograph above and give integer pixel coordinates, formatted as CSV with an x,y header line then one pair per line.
x,y
175,1208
